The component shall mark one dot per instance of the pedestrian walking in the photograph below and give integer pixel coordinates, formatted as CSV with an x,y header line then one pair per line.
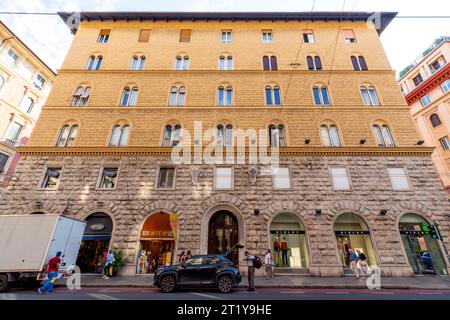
x,y
188,255
109,265
268,261
52,273
182,258
362,262
250,259
353,258
104,263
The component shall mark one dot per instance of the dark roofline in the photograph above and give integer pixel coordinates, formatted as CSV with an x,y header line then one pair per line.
x,y
27,48
385,17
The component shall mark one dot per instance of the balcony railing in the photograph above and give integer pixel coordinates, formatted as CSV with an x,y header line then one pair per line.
x,y
11,143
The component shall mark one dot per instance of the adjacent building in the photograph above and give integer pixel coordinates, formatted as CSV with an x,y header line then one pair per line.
x,y
426,86
138,89
25,82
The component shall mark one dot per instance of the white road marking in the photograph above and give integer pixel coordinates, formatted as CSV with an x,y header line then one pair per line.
x,y
206,296
430,293
110,291
99,296
8,296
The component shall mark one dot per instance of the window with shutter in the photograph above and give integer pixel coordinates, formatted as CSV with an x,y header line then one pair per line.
x,y
274,63
185,35
144,35
266,63
318,63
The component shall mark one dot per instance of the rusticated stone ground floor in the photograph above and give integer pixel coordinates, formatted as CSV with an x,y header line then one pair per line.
x,y
311,209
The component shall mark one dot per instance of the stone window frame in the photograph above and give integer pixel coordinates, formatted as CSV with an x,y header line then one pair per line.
x,y
224,86
168,166
100,173
408,179
50,165
349,177
233,175
291,180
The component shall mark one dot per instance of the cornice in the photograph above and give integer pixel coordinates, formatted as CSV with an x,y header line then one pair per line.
x,y
287,151
215,71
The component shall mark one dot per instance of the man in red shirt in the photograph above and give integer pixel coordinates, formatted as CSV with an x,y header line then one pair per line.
x,y
52,273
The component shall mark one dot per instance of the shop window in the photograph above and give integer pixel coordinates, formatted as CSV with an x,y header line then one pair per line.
x,y
435,120
267,36
104,35
398,178
349,36
225,96
383,136
288,241
138,63
3,160
51,178
445,143
226,36
108,178
270,63
340,178
223,178
281,178
308,36
144,35
81,96
67,136
314,63
166,178
185,35
330,136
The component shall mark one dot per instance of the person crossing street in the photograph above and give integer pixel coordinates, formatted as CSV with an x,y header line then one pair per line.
x,y
52,273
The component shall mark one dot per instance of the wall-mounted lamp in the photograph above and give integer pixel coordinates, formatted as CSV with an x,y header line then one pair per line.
x,y
383,212
420,142
362,140
38,204
318,212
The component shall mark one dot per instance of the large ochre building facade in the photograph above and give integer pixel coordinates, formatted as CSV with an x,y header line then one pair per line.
x,y
351,172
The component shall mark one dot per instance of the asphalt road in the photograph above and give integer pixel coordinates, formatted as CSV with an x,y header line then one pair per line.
x,y
238,294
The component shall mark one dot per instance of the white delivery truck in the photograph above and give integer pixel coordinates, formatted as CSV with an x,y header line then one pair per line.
x,y
28,242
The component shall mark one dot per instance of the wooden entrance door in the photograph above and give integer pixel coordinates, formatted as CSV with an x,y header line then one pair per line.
x,y
223,234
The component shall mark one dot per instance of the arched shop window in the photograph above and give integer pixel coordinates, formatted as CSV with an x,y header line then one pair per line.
x,y
288,242
96,241
157,242
352,233
421,245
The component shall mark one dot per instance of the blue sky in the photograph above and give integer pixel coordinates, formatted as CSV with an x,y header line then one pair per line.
x,y
404,39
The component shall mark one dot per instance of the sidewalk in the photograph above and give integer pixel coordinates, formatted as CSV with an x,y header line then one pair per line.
x,y
287,281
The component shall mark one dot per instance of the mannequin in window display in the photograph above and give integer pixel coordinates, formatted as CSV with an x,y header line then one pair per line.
x,y
149,262
142,262
277,251
284,252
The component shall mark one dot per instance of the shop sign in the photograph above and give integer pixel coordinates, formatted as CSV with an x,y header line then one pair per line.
x,y
287,232
338,233
156,234
97,227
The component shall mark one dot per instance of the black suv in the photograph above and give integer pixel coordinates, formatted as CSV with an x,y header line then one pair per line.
x,y
211,270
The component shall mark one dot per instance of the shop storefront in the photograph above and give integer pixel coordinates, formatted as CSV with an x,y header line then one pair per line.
x,y
352,233
157,242
422,250
288,242
223,233
95,243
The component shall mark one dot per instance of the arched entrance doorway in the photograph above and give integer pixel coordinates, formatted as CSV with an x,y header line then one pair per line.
x,y
352,232
96,240
223,233
157,242
421,248
288,242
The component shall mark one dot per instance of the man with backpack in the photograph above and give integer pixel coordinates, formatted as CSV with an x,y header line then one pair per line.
x,y
253,263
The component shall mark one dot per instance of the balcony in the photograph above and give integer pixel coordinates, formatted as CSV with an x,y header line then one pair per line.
x,y
11,143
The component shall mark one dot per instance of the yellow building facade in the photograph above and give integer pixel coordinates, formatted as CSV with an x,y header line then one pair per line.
x,y
133,88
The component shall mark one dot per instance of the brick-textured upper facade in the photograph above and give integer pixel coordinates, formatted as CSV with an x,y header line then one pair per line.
x,y
351,172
